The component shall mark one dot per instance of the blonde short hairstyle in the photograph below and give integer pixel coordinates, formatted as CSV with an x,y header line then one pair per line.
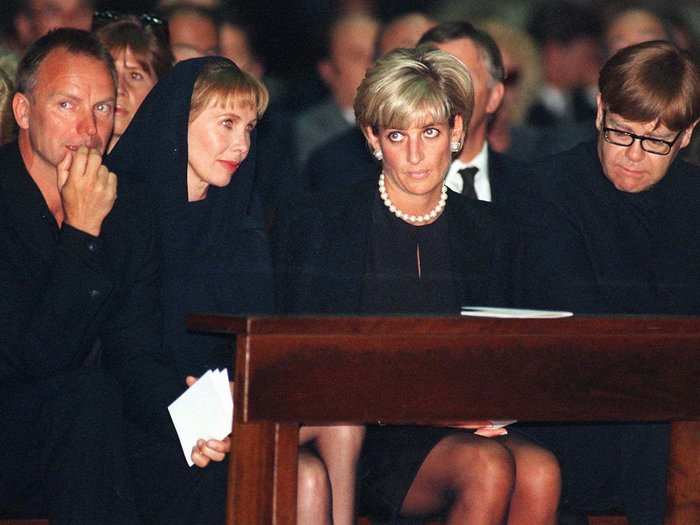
x,y
409,84
221,82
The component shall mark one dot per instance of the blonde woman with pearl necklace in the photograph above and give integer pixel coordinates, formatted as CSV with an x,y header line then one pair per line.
x,y
403,243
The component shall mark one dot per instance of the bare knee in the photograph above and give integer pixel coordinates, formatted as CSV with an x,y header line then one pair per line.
x,y
312,476
485,467
495,467
350,437
339,442
313,496
538,473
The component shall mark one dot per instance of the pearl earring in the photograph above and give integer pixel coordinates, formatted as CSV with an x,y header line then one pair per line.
x,y
455,146
378,154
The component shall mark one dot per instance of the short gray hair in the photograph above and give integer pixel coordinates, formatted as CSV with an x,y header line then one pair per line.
x,y
486,46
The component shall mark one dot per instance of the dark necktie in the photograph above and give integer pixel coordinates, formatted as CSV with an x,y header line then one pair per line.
x,y
468,174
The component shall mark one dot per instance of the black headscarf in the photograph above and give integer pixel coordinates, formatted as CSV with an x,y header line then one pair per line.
x,y
214,252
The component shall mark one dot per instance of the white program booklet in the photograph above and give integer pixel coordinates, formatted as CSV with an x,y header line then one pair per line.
x,y
203,411
512,313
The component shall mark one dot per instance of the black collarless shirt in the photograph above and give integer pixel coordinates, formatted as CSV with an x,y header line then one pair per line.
x,y
591,248
61,290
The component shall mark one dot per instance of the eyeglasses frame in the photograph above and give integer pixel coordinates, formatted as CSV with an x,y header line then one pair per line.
x,y
640,138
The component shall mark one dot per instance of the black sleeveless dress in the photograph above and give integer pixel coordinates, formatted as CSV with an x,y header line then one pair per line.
x,y
408,271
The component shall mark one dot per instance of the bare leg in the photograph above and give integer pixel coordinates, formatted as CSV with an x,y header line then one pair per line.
x,y
339,447
471,475
537,483
313,497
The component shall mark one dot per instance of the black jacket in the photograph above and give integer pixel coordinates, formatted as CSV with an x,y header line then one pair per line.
x,y
505,174
63,291
321,251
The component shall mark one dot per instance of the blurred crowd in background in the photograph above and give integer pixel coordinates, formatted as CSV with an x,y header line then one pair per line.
x,y
314,52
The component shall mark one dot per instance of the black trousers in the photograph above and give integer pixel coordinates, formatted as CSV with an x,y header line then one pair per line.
x,y
62,451
169,491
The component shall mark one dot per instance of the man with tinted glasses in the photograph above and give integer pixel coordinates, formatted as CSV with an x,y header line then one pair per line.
x,y
614,227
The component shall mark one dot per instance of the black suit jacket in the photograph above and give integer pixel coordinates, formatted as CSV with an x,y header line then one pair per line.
x,y
505,174
530,143
581,110
343,161
63,290
321,248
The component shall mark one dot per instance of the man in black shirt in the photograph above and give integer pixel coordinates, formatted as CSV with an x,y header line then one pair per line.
x,y
614,227
77,272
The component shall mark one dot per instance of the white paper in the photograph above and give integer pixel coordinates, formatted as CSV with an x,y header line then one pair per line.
x,y
512,313
500,423
203,411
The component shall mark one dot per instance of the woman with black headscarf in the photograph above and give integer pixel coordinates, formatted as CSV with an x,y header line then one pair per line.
x,y
190,142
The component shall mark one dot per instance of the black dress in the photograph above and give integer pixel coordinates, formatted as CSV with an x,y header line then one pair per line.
x,y
345,253
408,271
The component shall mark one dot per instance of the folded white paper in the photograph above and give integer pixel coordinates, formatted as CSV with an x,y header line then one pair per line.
x,y
203,411
512,313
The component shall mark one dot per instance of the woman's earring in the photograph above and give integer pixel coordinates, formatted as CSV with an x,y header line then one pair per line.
x,y
456,146
378,154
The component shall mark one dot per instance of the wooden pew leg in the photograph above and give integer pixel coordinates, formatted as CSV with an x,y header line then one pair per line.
x,y
683,488
262,484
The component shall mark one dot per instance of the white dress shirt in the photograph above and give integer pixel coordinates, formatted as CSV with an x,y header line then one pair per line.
x,y
349,115
482,186
556,101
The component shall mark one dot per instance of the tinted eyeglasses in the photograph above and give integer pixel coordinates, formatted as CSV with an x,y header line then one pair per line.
x,y
512,78
626,139
102,18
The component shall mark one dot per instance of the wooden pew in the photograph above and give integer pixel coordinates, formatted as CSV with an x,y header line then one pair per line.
x,y
316,370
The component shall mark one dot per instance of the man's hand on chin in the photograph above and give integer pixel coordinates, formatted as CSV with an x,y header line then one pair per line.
x,y
88,189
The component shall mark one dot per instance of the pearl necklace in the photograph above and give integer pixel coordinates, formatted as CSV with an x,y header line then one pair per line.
x,y
413,219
